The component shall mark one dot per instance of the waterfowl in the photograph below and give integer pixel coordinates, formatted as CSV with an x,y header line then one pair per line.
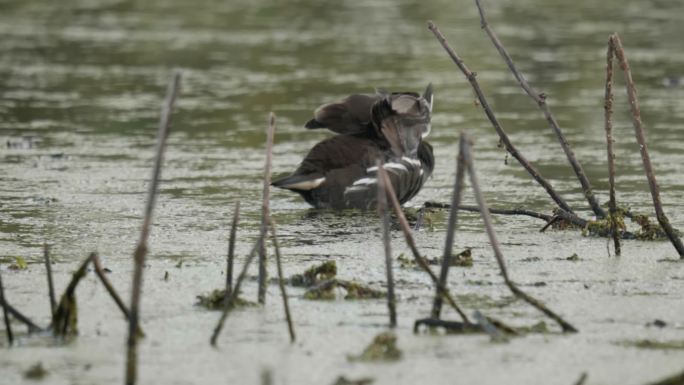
x,y
341,172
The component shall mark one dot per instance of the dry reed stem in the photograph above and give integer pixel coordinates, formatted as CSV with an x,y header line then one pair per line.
x,y
48,271
99,271
641,139
524,212
5,315
281,281
451,230
472,78
384,215
486,218
231,250
265,206
32,327
62,317
608,124
406,229
540,100
141,249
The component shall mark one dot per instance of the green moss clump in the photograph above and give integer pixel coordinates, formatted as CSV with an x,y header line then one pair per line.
x,y
649,231
214,300
383,348
315,274
462,259
323,291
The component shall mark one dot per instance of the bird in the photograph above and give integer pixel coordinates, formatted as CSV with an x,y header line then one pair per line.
x,y
341,171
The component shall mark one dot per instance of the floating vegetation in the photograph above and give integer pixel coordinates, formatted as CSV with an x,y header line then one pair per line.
x,y
383,348
36,372
462,259
18,264
315,274
215,300
574,258
326,290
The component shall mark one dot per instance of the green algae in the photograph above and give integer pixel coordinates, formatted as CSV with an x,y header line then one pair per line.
x,y
315,274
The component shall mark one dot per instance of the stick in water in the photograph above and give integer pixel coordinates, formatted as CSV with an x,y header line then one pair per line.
x,y
5,315
100,272
231,250
608,124
486,218
265,206
641,139
51,286
472,78
281,282
540,100
451,229
236,289
406,229
141,249
384,215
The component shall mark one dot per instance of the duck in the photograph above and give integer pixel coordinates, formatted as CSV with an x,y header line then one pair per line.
x,y
385,129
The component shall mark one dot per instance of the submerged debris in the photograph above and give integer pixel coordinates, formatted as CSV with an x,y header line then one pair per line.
x,y
653,344
35,372
383,348
214,300
342,380
18,264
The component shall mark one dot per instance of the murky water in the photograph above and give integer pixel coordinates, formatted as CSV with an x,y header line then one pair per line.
x,y
81,83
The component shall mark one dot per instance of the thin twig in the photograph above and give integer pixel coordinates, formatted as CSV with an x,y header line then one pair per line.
x,y
641,139
384,215
236,289
265,206
231,250
540,100
48,271
32,327
486,218
5,315
451,229
141,249
608,120
582,379
472,78
524,212
406,229
100,272
281,281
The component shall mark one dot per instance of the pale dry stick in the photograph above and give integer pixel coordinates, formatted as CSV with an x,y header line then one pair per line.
x,y
608,124
5,315
265,206
281,281
486,218
236,289
384,215
231,251
472,78
641,139
540,100
141,248
406,229
451,230
48,271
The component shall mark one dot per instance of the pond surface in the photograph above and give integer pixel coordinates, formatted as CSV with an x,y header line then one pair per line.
x,y
81,83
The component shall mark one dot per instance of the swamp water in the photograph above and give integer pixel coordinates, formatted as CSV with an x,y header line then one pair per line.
x,y
81,83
